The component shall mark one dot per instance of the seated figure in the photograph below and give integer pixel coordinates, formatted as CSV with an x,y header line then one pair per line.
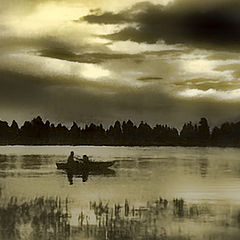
x,y
71,158
85,159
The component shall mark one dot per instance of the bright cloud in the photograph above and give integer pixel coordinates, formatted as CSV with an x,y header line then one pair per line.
x,y
211,93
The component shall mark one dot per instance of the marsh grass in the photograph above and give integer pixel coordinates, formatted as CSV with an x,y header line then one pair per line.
x,y
44,218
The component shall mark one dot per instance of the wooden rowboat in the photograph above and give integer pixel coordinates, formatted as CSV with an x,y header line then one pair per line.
x,y
91,166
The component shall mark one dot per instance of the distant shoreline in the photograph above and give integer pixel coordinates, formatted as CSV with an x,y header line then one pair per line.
x,y
37,132
104,145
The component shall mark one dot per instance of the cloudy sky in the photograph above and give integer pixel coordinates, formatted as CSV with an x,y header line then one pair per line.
x,y
159,61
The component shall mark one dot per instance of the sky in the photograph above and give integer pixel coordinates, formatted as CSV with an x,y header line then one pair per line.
x,y
158,61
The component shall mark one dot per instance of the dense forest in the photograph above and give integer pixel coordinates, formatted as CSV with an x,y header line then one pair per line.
x,y
38,132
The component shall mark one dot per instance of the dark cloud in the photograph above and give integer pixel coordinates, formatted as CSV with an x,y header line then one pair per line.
x,y
215,24
60,53
149,78
124,16
105,18
37,96
9,43
172,53
21,89
206,84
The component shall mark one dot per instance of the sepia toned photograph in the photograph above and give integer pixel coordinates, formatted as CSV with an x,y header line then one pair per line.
x,y
119,120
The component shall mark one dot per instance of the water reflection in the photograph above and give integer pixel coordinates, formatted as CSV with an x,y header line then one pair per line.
x,y
85,174
70,176
7,162
31,162
203,163
50,218
33,165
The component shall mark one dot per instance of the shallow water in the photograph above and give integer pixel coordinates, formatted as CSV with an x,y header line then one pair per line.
x,y
206,178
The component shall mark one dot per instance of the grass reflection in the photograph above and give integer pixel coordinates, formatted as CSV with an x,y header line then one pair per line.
x,y
50,218
40,218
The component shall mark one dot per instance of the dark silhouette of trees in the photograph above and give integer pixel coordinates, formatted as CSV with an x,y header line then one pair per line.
x,y
61,134
13,132
129,132
195,135
37,132
74,134
189,133
26,134
93,134
4,132
114,134
228,134
164,135
203,131
144,133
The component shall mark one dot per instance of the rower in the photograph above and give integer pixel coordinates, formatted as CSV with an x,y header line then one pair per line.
x,y
85,159
71,158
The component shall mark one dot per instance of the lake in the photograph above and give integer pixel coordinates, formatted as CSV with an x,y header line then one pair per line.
x,y
151,193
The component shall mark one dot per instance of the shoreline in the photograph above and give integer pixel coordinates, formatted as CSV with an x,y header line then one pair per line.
x,y
111,145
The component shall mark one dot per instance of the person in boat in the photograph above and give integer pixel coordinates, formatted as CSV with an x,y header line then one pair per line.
x,y
71,161
71,158
85,159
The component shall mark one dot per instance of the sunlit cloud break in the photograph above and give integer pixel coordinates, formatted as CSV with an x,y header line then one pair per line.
x,y
212,93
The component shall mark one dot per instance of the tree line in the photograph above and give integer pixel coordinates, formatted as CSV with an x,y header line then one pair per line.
x,y
38,132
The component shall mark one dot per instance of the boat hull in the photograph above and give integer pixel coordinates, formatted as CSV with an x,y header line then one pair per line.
x,y
91,166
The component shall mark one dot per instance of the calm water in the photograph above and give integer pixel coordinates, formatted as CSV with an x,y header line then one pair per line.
x,y
208,179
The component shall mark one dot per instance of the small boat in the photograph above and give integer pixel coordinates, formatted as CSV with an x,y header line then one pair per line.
x,y
91,166
78,169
